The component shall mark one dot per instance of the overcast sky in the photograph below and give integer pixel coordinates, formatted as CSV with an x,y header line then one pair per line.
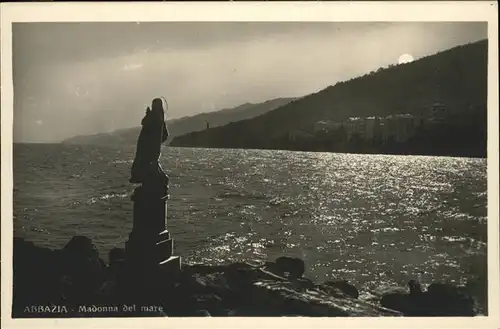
x,y
83,78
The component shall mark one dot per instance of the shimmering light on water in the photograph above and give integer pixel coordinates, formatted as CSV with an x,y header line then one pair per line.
x,y
371,219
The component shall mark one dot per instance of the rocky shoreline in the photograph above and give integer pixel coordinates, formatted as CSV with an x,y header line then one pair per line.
x,y
75,282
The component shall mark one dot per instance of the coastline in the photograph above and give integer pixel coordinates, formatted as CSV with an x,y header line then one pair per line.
x,y
423,154
114,146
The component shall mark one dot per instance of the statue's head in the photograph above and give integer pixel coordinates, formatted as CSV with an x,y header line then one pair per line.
x,y
157,104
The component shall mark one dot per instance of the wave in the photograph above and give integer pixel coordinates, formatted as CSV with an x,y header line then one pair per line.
x,y
107,197
240,195
122,161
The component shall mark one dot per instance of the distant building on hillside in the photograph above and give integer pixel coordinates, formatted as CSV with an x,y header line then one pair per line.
x,y
368,129
384,130
435,113
372,129
395,127
403,126
326,126
354,126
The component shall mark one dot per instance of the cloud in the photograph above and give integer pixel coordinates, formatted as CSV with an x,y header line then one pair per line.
x,y
131,67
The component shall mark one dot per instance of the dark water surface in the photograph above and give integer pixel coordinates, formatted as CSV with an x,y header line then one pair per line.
x,y
371,219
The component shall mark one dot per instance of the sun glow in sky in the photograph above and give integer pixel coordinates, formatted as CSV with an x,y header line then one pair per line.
x,y
405,58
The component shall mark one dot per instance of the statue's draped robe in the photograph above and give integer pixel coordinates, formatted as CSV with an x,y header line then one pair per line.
x,y
153,133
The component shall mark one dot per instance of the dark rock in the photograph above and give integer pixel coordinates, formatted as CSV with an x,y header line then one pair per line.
x,y
412,303
228,312
81,247
210,302
249,290
400,301
202,313
343,286
305,283
444,290
286,300
76,275
83,270
438,300
446,299
289,266
36,275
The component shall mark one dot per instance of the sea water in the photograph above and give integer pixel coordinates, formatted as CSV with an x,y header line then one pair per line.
x,y
371,219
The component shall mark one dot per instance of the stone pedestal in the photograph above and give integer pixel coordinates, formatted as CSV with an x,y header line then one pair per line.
x,y
149,250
